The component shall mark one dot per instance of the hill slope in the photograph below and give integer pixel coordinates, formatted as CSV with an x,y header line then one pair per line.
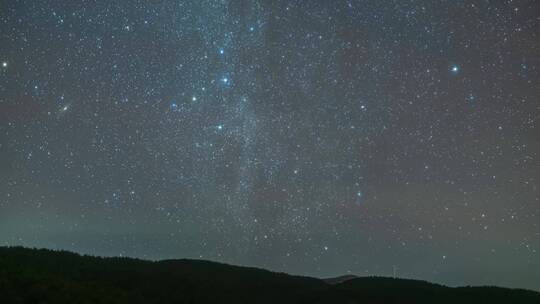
x,y
44,276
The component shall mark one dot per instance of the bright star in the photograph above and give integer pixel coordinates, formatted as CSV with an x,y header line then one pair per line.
x,y
454,69
4,64
220,127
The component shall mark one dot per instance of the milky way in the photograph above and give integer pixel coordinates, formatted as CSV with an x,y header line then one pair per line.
x,y
312,137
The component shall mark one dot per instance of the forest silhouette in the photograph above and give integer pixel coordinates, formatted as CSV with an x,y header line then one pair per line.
x,y
46,276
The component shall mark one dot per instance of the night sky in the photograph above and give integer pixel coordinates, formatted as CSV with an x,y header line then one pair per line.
x,y
312,137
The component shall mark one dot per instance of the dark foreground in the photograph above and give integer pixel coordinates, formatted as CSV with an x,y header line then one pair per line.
x,y
44,276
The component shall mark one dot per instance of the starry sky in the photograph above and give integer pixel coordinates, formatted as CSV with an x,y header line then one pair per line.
x,y
312,137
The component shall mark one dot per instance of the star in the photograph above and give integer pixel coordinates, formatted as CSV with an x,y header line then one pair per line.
x,y
63,109
4,64
454,69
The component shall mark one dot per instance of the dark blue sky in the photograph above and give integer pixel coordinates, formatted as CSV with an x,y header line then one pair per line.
x,y
312,137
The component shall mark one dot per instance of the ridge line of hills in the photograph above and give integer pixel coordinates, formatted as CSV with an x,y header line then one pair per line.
x,y
47,276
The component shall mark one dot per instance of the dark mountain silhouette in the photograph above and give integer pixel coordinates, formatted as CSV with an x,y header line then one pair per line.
x,y
45,276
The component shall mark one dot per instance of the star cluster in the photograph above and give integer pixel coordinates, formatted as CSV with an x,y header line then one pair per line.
x,y
312,137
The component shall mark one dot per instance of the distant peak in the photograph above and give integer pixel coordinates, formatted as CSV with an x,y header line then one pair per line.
x,y
340,279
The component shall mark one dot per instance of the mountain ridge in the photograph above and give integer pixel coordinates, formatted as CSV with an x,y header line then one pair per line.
x,y
47,276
